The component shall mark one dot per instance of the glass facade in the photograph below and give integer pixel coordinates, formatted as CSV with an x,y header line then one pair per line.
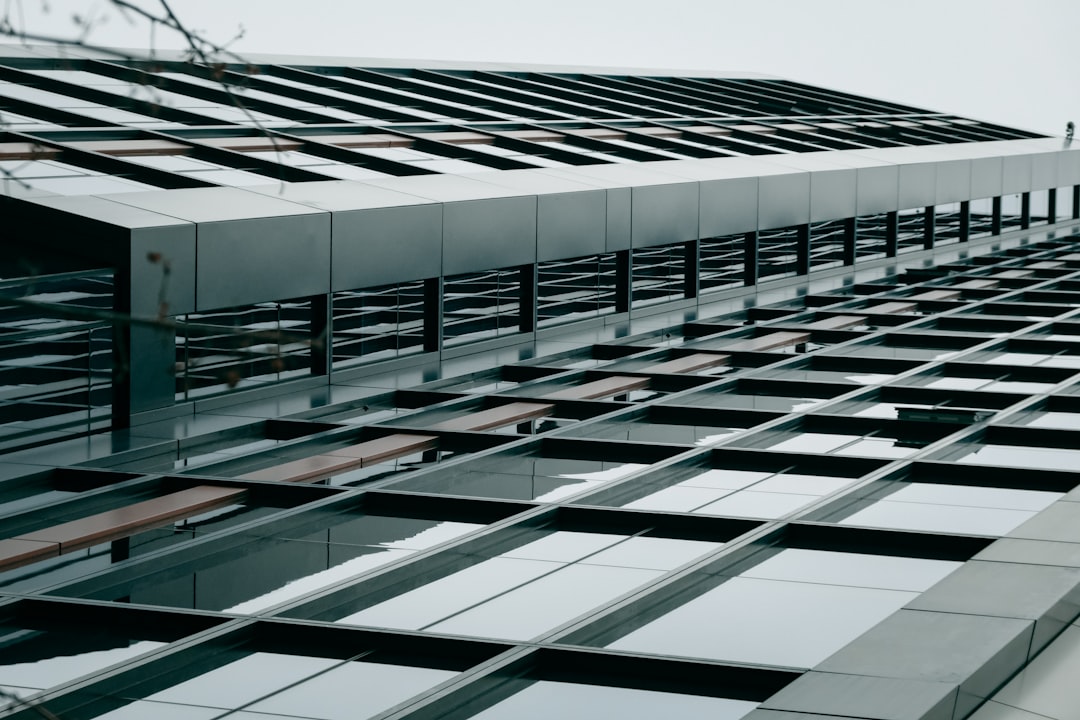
x,y
581,438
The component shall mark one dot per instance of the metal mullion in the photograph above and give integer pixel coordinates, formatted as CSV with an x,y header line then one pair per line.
x,y
238,100
824,140
396,93
770,105
51,115
528,107
576,87
835,95
609,149
534,148
736,108
774,88
772,141
460,152
108,99
117,166
540,95
675,144
855,137
320,80
662,143
312,146
417,80
683,94
222,96
356,106
610,83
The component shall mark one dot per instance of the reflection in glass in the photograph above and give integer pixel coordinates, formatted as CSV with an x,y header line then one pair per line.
x,y
546,699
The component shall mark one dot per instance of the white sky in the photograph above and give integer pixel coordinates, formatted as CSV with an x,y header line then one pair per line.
x,y
1015,63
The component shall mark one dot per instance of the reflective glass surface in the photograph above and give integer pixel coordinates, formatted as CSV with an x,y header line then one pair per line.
x,y
546,699
557,577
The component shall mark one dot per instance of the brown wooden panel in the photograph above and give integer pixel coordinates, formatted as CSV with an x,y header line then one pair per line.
x,y
534,135
250,144
710,130
768,342
130,519
665,132
122,148
363,140
16,552
976,284
598,133
1011,274
763,129
496,417
314,467
26,151
936,295
892,308
386,448
606,387
837,322
690,363
460,137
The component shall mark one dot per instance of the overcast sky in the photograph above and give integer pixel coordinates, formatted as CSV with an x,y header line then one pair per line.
x,y
1015,63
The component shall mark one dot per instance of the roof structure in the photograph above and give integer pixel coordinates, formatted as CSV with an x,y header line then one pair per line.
x,y
353,388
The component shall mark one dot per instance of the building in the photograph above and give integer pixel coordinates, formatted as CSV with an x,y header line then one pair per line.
x,y
337,388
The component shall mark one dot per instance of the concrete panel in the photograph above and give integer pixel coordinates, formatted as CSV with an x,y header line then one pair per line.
x,y
867,697
1048,595
1015,174
953,181
664,214
488,234
152,249
571,224
1044,171
832,195
975,651
248,261
1069,168
728,206
878,189
986,176
618,219
386,245
783,200
917,185
152,371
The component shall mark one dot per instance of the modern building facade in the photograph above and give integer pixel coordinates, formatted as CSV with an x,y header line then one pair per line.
x,y
339,388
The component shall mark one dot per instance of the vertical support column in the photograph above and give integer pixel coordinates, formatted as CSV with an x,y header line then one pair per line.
x,y
929,232
892,233
851,230
802,250
121,351
433,314
624,280
321,333
143,354
965,221
1025,210
750,258
1076,202
995,217
1051,206
691,268
527,300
